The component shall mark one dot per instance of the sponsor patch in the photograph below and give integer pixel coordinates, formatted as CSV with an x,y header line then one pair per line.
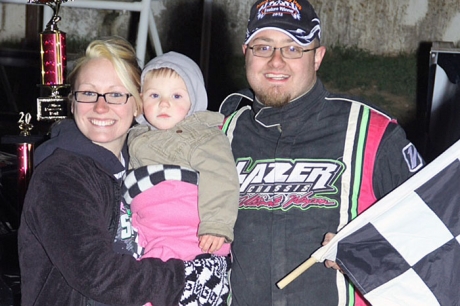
x,y
413,159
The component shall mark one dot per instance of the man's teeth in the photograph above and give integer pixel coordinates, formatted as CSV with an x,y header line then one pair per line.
x,y
276,76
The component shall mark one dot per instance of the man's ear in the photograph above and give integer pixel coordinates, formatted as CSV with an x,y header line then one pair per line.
x,y
244,48
319,55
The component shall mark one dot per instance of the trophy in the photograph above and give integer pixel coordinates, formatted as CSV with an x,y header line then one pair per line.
x,y
53,67
25,143
25,146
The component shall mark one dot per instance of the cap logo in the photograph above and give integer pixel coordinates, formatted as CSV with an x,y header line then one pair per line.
x,y
296,18
279,8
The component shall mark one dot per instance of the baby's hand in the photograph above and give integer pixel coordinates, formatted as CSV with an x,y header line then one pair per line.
x,y
210,243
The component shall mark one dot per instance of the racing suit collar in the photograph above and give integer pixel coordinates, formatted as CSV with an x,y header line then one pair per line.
x,y
273,116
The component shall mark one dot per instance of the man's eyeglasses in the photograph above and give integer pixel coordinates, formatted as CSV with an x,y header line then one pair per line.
x,y
290,52
116,98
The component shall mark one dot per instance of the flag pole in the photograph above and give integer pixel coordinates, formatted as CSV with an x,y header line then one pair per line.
x,y
296,272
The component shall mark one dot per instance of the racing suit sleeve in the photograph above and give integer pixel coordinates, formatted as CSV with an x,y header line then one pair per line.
x,y
397,160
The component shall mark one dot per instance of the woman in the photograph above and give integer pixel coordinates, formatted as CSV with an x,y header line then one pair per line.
x,y
71,247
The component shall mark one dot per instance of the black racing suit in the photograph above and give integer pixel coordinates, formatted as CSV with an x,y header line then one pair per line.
x,y
305,169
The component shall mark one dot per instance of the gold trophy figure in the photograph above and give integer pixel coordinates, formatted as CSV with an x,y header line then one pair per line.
x,y
53,66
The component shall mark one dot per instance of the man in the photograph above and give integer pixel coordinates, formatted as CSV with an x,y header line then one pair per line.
x,y
308,161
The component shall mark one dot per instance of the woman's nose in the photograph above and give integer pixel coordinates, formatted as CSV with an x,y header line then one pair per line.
x,y
101,105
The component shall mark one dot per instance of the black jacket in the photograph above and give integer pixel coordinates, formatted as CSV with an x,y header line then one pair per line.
x,y
67,231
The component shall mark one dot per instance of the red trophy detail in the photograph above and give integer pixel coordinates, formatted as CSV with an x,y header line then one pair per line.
x,y
53,55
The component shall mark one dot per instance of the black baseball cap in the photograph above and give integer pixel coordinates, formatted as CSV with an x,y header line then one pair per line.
x,y
295,18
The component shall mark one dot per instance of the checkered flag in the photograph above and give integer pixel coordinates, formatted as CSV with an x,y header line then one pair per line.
x,y
405,249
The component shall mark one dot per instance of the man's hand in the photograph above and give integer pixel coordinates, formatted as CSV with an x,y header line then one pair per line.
x,y
330,263
210,244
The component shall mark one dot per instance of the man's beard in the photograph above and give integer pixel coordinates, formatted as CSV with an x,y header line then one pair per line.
x,y
273,97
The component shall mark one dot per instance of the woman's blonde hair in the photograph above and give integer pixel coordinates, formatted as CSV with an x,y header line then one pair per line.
x,y
123,58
